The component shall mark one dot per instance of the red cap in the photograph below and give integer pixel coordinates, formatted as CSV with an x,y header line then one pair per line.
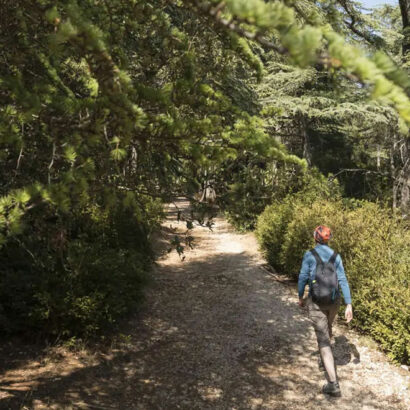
x,y
322,234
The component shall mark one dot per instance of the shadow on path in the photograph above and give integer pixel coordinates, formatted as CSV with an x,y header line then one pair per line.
x,y
217,333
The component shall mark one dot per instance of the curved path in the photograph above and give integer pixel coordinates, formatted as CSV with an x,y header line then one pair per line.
x,y
218,331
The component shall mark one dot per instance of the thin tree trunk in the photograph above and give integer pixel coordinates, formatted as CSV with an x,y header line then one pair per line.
x,y
378,157
393,174
405,17
307,149
401,177
405,190
405,182
396,167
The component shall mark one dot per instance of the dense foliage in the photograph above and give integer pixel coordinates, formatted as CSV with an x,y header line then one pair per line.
x,y
73,277
110,108
375,247
107,110
328,119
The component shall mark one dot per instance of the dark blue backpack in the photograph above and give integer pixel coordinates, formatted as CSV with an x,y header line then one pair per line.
x,y
325,285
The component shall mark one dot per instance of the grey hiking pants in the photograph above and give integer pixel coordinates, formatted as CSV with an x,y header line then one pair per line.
x,y
322,318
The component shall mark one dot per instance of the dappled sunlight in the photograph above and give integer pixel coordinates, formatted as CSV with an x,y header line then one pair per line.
x,y
217,332
209,393
131,132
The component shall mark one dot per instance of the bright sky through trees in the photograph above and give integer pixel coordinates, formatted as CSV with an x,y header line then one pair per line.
x,y
373,3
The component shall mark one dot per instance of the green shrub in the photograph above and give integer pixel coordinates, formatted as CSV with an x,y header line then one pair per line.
x,y
256,187
244,202
272,224
375,248
271,229
75,275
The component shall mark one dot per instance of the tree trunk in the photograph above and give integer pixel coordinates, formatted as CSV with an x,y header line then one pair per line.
x,y
393,173
405,190
378,157
405,178
307,149
405,17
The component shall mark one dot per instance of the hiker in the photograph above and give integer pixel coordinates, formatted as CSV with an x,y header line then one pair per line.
x,y
323,269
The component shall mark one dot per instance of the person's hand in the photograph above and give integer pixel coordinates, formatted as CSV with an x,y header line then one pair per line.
x,y
301,302
349,313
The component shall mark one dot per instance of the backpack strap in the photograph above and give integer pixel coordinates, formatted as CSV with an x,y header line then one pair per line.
x,y
318,263
316,255
332,259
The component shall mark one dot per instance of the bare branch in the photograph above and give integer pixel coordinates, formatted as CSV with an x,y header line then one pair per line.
x,y
375,41
19,158
366,171
51,163
21,149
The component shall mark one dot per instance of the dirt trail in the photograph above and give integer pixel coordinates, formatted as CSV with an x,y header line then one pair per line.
x,y
217,332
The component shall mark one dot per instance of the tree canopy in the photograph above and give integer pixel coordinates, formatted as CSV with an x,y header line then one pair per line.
x,y
110,108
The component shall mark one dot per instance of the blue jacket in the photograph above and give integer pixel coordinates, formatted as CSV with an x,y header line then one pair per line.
x,y
309,267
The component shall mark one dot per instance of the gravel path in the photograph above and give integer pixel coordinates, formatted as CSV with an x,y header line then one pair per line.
x,y
217,331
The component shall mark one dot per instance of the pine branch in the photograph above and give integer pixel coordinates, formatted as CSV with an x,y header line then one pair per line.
x,y
233,25
375,41
323,60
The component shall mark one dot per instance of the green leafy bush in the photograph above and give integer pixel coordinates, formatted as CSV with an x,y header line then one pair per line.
x,y
375,248
74,275
261,183
272,224
298,235
271,229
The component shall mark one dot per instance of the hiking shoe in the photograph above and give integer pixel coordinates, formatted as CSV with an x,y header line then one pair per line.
x,y
333,389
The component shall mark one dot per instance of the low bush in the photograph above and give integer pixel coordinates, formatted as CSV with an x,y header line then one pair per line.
x,y
75,275
265,183
272,225
271,229
375,248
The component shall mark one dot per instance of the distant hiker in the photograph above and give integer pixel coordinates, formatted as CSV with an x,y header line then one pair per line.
x,y
208,193
323,269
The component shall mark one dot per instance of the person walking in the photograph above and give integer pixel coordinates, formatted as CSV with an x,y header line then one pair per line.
x,y
323,269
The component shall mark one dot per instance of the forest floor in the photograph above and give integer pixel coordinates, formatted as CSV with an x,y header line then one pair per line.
x,y
217,331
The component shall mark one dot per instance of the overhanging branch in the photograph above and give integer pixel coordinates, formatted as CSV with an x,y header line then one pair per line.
x,y
375,41
233,25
